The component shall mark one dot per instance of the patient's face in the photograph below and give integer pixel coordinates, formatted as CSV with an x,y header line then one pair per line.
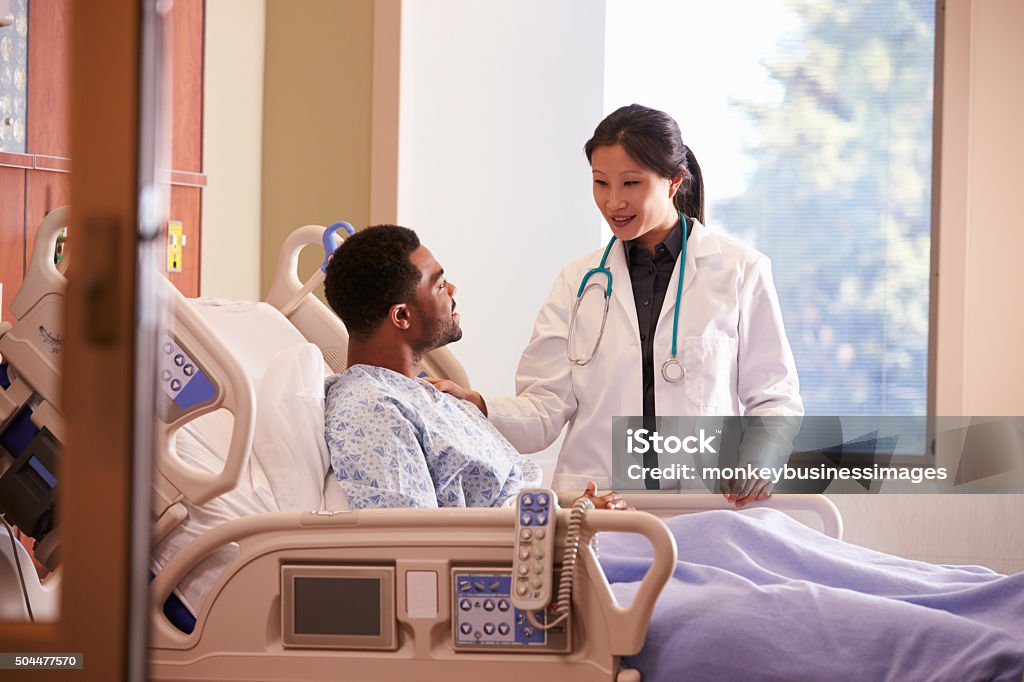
x,y
434,305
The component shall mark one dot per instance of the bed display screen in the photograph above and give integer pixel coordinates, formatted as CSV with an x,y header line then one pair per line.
x,y
337,606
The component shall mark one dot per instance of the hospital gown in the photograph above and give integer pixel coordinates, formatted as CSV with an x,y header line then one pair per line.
x,y
399,442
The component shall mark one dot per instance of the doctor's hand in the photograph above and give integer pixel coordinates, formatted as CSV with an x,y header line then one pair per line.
x,y
451,388
612,500
744,491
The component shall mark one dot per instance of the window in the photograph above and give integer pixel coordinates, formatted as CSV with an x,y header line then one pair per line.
x,y
812,123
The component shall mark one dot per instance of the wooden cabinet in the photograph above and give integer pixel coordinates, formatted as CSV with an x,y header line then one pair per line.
x,y
34,182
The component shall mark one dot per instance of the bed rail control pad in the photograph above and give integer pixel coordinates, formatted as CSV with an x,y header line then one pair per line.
x,y
483,617
184,383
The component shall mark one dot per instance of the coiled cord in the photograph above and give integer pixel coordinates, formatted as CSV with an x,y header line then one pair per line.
x,y
563,605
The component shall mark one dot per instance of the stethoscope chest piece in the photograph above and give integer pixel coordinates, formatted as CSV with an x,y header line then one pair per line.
x,y
672,371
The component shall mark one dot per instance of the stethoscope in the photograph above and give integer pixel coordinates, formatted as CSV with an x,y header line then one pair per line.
x,y
671,369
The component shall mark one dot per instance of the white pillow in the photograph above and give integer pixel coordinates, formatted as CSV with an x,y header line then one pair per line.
x,y
255,332
289,450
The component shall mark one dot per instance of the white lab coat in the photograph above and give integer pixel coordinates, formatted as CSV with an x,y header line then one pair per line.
x,y
732,346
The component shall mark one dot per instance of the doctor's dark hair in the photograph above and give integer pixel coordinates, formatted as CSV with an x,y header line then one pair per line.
x,y
652,139
369,273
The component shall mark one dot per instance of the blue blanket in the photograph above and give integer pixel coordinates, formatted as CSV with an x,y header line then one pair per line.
x,y
757,595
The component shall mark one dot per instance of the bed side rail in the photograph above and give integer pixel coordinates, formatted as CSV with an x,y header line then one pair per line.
x,y
386,528
667,504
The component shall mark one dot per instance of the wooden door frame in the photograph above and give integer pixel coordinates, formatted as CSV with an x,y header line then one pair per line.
x,y
103,514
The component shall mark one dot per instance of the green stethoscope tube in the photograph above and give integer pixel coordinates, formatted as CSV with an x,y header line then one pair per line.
x,y
671,369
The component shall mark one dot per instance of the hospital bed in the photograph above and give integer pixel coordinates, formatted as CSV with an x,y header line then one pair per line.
x,y
252,533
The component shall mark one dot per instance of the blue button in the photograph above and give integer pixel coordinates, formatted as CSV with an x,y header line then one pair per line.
x,y
465,605
542,500
542,519
527,500
526,519
488,605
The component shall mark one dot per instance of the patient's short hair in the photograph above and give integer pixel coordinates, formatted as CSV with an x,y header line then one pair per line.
x,y
369,273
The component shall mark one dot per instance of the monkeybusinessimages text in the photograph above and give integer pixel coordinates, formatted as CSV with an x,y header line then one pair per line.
x,y
642,441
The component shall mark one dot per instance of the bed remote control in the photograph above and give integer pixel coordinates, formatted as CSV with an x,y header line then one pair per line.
x,y
536,509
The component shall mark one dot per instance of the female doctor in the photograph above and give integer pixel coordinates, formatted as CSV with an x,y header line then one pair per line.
x,y
712,344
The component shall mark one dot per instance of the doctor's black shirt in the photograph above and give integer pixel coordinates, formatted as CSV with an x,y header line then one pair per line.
x,y
649,278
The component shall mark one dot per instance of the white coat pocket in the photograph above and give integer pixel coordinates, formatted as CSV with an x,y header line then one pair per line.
x,y
710,379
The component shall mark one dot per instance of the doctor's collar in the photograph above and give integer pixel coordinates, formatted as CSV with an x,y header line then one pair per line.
x,y
672,243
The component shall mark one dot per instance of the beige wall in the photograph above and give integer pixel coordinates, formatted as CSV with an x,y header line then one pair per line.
x,y
232,148
316,125
994,288
982,232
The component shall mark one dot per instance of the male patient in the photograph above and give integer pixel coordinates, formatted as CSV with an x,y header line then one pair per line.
x,y
394,439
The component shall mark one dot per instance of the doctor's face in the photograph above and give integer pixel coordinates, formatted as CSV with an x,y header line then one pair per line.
x,y
635,201
434,304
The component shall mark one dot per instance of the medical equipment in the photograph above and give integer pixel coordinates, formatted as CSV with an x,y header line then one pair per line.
x,y
533,559
671,370
512,613
534,537
31,423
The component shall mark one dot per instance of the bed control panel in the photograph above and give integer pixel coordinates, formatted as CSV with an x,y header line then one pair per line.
x,y
483,618
183,382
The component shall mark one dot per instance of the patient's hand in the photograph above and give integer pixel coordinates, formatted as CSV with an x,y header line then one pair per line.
x,y
612,500
744,491
452,388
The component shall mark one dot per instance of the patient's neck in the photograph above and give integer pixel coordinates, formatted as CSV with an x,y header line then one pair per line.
x,y
380,353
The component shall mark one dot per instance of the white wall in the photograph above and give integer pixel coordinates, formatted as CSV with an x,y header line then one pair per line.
x,y
232,148
496,102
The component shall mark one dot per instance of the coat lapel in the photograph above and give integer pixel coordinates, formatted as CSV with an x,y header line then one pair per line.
x,y
702,243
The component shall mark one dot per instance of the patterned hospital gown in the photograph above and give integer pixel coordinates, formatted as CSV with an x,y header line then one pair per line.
x,y
400,442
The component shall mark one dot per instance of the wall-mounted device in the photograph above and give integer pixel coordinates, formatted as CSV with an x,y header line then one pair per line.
x,y
175,245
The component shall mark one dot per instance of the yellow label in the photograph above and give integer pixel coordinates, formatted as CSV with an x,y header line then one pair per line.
x,y
174,246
